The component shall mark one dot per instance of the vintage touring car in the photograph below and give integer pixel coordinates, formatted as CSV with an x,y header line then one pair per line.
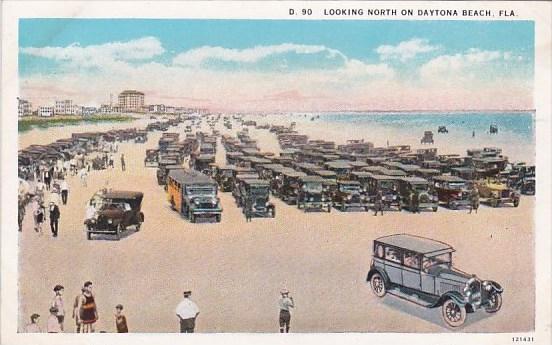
x,y
313,195
420,270
115,212
496,193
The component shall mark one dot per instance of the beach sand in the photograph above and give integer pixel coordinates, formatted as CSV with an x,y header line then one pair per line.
x,y
236,269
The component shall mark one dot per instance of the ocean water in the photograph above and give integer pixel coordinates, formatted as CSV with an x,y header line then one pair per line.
x,y
516,130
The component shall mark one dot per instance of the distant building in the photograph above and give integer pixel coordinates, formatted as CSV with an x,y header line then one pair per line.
x,y
157,108
169,110
131,101
64,107
77,109
45,111
106,109
89,111
24,107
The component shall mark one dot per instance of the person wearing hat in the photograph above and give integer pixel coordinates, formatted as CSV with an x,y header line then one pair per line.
x,y
57,302
54,218
187,312
120,319
285,303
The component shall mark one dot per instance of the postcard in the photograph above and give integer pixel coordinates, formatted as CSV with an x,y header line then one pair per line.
x,y
276,172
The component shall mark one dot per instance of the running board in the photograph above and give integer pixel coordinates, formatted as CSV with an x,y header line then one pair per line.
x,y
418,298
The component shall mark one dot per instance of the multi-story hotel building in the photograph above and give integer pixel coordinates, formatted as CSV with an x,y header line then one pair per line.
x,y
64,107
45,111
24,107
131,100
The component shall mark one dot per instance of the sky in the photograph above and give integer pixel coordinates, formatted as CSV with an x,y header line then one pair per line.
x,y
278,65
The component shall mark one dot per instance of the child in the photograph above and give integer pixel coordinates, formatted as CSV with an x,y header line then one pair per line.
x,y
120,319
33,327
53,323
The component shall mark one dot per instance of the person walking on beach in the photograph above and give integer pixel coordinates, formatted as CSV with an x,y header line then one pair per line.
x,y
64,191
39,215
378,203
87,311
39,189
187,312
54,218
57,302
248,209
76,311
83,174
123,165
474,200
111,161
285,303
52,325
120,319
414,200
34,326
47,179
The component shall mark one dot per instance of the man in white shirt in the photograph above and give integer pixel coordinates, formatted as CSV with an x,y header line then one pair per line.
x,y
64,191
187,312
285,303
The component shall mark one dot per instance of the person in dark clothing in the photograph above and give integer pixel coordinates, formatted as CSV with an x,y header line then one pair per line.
x,y
248,209
120,319
378,203
123,165
54,218
47,179
415,199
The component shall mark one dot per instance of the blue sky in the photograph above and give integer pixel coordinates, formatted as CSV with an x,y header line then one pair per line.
x,y
504,47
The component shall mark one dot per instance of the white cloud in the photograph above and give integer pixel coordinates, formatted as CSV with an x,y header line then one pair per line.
x,y
462,65
405,50
195,57
102,54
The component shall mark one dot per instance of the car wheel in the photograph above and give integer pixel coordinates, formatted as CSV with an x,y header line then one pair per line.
x,y
272,212
378,285
343,207
218,218
516,202
495,303
138,227
192,218
453,205
329,208
434,209
453,314
494,203
88,236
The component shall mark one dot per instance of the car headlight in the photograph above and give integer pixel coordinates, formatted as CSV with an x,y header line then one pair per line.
x,y
349,197
435,198
196,202
110,221
394,197
487,286
311,198
323,199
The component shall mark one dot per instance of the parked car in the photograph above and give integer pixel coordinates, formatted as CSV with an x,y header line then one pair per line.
x,y
388,186
255,194
193,194
527,186
348,195
420,270
410,187
152,156
115,212
289,187
313,195
453,191
496,193
161,169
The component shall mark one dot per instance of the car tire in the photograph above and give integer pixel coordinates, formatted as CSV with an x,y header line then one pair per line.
x,y
453,205
329,208
516,202
138,226
378,285
273,212
494,203
343,207
218,218
495,300
88,236
453,314
192,218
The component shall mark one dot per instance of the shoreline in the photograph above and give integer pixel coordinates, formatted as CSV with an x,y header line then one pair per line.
x,y
28,123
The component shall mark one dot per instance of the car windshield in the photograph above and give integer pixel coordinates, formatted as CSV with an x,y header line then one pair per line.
x,y
349,188
438,260
419,187
457,185
227,173
259,190
387,185
201,190
313,187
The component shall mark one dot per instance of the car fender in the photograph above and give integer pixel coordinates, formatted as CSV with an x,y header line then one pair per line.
x,y
381,272
455,296
496,286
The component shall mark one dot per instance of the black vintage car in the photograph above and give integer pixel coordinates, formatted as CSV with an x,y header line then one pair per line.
x,y
254,198
349,194
313,195
114,212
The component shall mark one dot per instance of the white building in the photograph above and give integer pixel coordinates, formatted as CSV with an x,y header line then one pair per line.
x,y
89,110
106,109
45,111
169,109
64,107
24,107
157,108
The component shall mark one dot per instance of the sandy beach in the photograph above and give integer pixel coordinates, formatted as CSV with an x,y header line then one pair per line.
x,y
236,269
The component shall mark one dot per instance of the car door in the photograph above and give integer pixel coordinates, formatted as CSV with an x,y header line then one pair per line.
x,y
393,266
411,270
428,280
